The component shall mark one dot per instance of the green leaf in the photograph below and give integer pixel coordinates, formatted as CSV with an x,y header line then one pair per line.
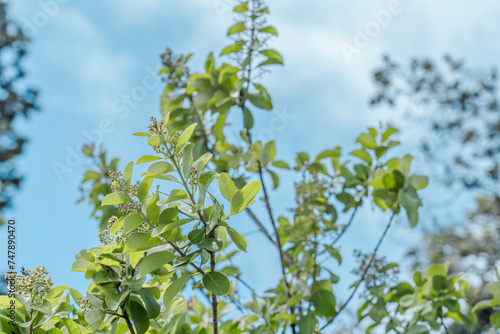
x,y
247,118
440,283
237,238
115,198
261,99
210,63
411,202
80,265
419,181
140,242
187,159
363,155
389,132
367,140
270,30
154,261
241,8
198,82
143,189
147,158
174,289
211,244
141,134
54,331
95,318
127,173
45,307
227,186
408,300
152,306
231,49
324,302
139,317
114,300
393,181
273,57
495,320
72,326
153,210
268,154
280,164
160,167
241,200
201,162
156,140
334,252
275,177
131,222
91,175
438,269
169,215
176,195
418,278
487,303
196,236
162,228
186,135
217,283
236,28
308,323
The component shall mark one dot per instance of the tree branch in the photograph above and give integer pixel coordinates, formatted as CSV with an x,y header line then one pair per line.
x,y
127,320
365,270
259,225
215,303
349,223
444,325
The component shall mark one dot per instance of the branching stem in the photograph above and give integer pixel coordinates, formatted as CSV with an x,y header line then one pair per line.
x,y
365,270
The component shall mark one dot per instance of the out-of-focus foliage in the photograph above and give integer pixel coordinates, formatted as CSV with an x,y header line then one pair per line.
x,y
96,184
15,101
458,109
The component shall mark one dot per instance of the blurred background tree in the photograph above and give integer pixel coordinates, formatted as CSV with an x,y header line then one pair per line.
x,y
15,100
457,109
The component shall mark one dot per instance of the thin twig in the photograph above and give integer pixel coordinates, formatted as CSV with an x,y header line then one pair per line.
x,y
444,325
215,303
365,270
349,223
259,225
278,239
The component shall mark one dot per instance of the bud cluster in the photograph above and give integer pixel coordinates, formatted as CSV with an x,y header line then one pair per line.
x,y
177,153
158,128
107,238
175,67
84,304
308,195
34,283
378,273
119,184
175,138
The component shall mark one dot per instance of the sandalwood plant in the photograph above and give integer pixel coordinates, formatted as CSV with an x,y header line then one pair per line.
x,y
166,262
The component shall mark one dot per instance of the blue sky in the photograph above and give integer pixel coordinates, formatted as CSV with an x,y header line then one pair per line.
x,y
86,55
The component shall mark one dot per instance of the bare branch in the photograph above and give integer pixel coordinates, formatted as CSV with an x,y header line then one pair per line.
x,y
365,270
